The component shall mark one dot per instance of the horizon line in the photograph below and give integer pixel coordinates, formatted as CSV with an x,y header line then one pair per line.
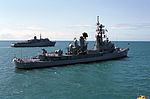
x,y
90,40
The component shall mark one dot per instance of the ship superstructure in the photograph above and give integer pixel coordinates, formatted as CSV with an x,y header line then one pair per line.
x,y
76,53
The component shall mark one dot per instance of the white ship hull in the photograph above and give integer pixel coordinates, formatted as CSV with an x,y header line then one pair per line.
x,y
44,64
41,44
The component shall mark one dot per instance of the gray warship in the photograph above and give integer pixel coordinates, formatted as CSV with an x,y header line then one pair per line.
x,y
76,53
34,43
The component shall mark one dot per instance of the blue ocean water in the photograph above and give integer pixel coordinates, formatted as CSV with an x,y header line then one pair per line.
x,y
115,79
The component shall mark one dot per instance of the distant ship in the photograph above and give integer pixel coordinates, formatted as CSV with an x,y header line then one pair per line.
x,y
34,43
76,53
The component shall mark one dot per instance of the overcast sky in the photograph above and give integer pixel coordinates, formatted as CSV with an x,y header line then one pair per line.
x,y
66,19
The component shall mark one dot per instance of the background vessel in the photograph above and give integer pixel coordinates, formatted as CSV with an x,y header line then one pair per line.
x,y
34,43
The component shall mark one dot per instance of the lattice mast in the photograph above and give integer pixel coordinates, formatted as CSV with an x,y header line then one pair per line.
x,y
100,31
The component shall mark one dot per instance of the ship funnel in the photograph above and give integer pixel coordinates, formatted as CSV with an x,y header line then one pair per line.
x,y
85,35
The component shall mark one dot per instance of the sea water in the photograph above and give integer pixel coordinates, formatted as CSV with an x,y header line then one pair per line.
x,y
114,79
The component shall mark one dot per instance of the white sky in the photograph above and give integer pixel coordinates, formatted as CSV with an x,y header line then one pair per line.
x,y
66,19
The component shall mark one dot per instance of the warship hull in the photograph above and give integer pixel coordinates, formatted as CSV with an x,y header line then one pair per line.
x,y
33,44
44,64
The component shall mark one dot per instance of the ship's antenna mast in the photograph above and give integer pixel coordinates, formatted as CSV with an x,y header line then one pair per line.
x,y
100,30
97,20
98,25
40,36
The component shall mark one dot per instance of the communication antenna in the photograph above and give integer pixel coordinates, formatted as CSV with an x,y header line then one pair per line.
x,y
97,20
40,35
